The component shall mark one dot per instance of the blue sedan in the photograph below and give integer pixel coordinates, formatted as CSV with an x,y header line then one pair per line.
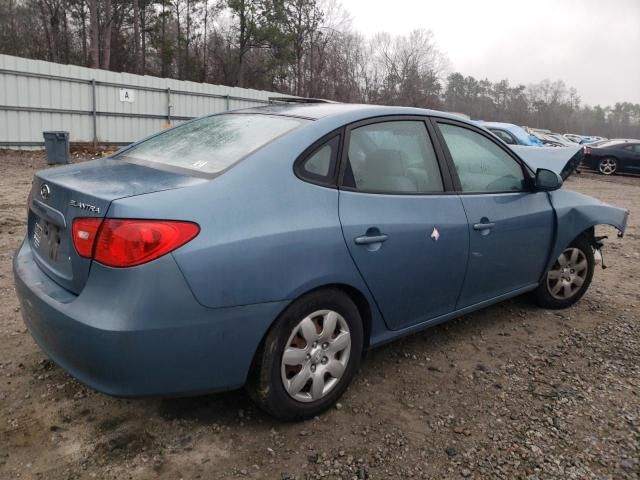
x,y
271,247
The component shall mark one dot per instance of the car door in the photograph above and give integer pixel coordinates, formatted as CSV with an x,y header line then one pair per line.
x,y
635,159
510,226
406,233
630,159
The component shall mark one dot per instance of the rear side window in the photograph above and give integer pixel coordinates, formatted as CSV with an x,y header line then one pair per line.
x,y
482,166
319,166
392,157
212,144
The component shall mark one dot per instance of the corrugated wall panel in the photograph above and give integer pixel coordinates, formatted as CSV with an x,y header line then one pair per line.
x,y
36,96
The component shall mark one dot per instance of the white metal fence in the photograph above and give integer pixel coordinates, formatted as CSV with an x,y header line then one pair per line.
x,y
98,106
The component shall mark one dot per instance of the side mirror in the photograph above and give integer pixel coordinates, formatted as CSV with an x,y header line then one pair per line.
x,y
547,180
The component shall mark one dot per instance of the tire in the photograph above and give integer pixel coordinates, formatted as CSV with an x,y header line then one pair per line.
x,y
329,363
553,292
608,166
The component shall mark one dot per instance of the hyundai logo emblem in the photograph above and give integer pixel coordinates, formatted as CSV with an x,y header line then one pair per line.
x,y
45,191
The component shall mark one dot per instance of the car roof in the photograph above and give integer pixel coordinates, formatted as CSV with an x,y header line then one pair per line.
x,y
616,143
316,111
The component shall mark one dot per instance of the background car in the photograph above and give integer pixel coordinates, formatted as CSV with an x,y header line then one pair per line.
x,y
581,139
270,247
511,134
613,157
557,137
551,140
573,137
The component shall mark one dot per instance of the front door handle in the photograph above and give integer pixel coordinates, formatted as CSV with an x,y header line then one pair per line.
x,y
369,239
483,226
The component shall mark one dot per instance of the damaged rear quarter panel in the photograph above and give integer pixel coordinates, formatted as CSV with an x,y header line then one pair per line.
x,y
576,212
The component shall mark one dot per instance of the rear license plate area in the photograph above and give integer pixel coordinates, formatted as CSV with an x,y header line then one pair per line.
x,y
47,239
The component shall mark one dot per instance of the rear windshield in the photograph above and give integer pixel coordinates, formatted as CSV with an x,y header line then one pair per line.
x,y
212,144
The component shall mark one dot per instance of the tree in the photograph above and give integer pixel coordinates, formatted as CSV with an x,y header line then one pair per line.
x,y
251,17
136,37
300,47
95,34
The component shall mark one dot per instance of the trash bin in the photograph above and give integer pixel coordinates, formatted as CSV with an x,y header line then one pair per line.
x,y
57,146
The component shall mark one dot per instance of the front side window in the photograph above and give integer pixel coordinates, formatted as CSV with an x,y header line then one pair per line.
x,y
212,144
482,166
633,148
392,157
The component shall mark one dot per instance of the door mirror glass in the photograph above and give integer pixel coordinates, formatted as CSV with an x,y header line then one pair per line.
x,y
547,180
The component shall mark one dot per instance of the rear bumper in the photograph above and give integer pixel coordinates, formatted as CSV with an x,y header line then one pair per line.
x,y
140,332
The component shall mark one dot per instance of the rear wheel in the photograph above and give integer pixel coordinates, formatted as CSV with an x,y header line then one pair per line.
x,y
569,277
309,356
608,166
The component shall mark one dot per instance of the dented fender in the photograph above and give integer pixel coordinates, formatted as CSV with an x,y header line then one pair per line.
x,y
576,213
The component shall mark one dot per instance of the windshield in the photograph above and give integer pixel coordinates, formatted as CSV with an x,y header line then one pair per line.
x,y
212,144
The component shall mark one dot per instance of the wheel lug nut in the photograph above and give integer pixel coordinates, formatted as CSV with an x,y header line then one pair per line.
x,y
308,356
314,344
325,345
313,367
324,360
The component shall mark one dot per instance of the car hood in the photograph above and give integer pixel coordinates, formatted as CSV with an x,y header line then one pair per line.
x,y
562,160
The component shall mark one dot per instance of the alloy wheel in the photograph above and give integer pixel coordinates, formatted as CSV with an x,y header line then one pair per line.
x,y
315,356
568,274
608,166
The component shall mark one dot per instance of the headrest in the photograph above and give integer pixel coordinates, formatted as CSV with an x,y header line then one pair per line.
x,y
387,163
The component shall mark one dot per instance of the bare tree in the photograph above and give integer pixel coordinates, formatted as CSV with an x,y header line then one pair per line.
x,y
94,28
106,35
136,37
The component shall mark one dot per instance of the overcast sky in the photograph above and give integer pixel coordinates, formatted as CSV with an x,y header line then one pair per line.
x,y
593,45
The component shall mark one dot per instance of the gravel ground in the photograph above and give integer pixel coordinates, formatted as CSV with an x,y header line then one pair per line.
x,y
509,392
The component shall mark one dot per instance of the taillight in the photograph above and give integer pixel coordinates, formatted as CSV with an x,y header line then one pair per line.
x,y
85,231
586,150
126,243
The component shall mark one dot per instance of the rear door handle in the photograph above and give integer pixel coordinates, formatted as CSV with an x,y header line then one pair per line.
x,y
369,239
484,226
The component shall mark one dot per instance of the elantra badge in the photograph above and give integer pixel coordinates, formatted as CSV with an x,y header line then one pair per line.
x,y
84,206
45,191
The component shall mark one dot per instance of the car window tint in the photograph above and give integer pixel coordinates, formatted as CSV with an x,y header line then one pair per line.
x,y
636,148
393,157
212,144
482,165
504,136
321,162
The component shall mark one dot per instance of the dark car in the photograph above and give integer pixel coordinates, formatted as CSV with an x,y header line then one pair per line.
x,y
613,157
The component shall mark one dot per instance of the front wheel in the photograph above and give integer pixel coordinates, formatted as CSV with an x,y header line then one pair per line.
x,y
608,166
569,277
309,356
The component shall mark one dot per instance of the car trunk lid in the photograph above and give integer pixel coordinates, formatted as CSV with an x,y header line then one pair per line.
x,y
60,195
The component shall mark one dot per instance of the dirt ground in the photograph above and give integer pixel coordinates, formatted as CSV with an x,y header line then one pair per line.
x,y
508,392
